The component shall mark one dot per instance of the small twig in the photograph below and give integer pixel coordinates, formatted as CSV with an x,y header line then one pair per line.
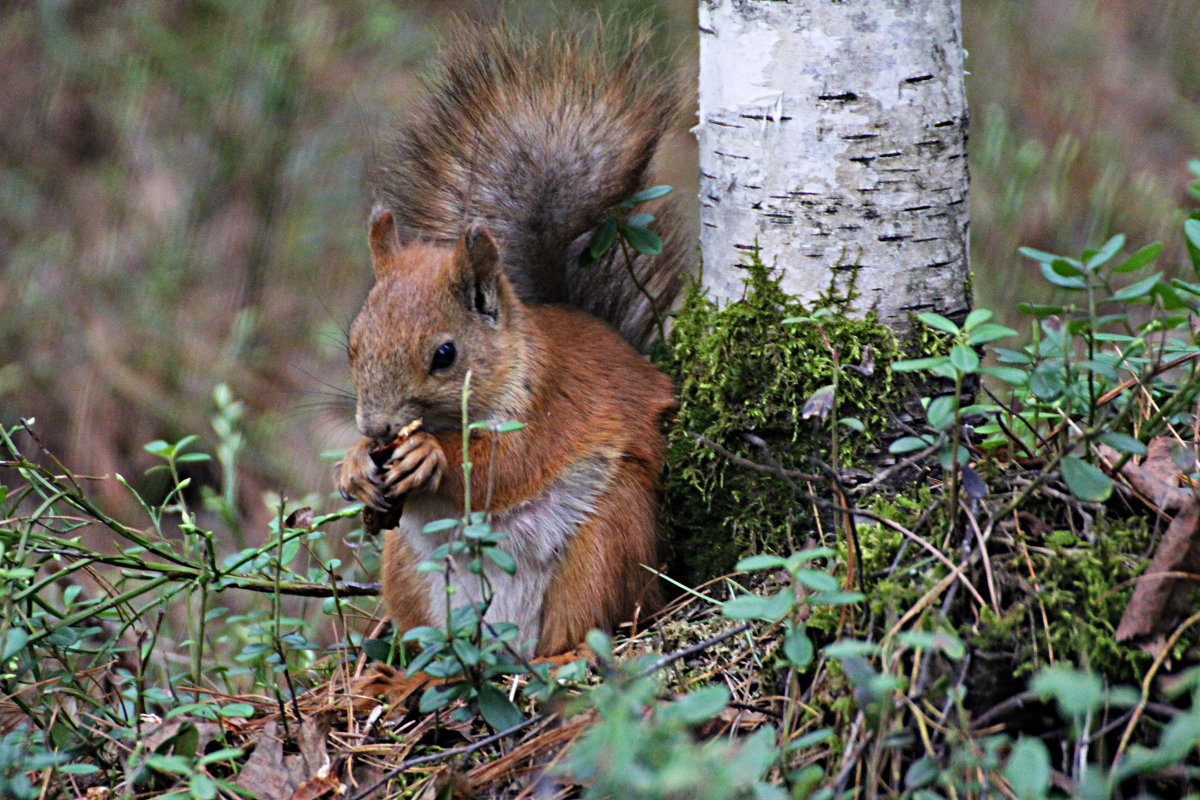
x,y
848,522
776,470
853,752
658,321
987,562
1149,678
692,650
1009,704
1011,434
908,461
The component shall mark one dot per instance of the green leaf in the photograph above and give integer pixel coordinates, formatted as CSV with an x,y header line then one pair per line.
x,y
989,332
798,647
853,423
914,364
439,525
816,580
236,710
1106,252
377,649
834,598
1067,282
603,238
850,648
440,696
1028,769
1191,232
938,321
1137,289
1005,356
639,220
908,444
760,562
696,707
939,641
642,240
1123,443
502,559
600,644
497,710
1038,255
14,641
1075,691
977,317
467,653
202,787
1139,259
921,772
1046,382
745,606
1010,375
1064,268
650,193
805,556
940,412
752,606
224,754
964,359
477,530
1169,298
1086,481
808,740
79,769
174,765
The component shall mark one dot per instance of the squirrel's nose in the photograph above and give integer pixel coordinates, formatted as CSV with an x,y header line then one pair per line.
x,y
377,430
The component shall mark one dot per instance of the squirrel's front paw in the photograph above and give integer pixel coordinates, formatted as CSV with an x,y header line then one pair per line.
x,y
358,478
418,463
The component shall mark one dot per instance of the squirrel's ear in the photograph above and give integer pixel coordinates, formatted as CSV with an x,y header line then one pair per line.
x,y
483,282
384,241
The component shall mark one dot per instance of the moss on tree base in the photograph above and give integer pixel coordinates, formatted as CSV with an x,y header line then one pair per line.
x,y
741,370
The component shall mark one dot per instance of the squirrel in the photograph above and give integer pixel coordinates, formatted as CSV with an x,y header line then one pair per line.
x,y
485,198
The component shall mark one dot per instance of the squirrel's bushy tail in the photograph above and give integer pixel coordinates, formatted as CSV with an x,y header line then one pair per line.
x,y
540,138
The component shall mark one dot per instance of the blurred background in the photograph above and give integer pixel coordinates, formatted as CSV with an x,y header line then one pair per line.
x,y
182,198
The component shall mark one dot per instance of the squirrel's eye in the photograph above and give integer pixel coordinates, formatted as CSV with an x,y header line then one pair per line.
x,y
443,358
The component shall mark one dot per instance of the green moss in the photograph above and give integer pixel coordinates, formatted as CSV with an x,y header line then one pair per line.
x,y
741,370
1083,588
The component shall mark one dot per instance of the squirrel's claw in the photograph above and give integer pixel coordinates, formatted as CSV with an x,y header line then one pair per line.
x,y
416,465
357,478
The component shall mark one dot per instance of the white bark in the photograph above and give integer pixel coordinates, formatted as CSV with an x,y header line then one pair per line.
x,y
833,137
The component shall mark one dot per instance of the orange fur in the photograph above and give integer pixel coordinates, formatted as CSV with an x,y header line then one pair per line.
x,y
537,142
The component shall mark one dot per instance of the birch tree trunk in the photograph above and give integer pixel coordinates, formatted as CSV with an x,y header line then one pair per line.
x,y
833,137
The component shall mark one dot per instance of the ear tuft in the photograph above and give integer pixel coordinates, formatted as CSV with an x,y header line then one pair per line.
x,y
481,250
479,259
381,233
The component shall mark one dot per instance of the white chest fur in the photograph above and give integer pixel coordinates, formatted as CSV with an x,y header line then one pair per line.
x,y
538,530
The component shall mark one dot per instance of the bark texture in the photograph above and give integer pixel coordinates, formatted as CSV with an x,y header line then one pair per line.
x,y
833,137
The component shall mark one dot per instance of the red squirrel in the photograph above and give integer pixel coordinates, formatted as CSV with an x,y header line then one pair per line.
x,y
485,199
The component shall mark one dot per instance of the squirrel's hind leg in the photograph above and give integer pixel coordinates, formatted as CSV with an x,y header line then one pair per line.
x,y
601,581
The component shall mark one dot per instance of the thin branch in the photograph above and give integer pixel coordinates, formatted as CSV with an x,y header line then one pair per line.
x,y
777,471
